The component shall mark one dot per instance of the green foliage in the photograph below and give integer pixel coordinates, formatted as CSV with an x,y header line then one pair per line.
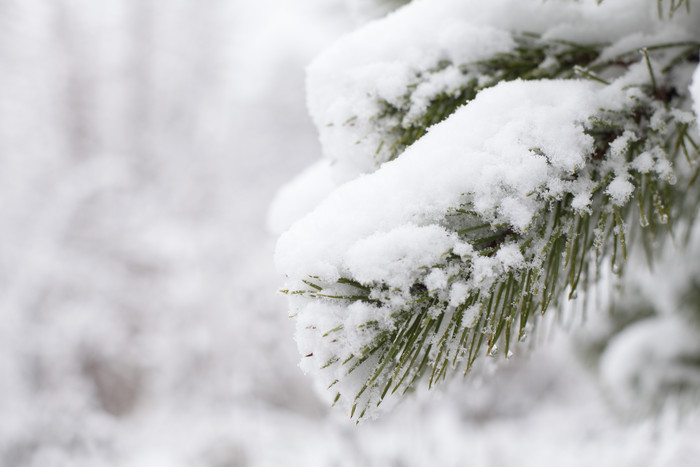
x,y
532,58
563,250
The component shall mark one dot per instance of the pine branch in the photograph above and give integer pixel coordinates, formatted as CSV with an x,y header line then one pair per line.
x,y
400,124
634,196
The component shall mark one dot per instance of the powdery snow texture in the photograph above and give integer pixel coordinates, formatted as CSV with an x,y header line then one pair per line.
x,y
485,149
385,226
507,152
347,83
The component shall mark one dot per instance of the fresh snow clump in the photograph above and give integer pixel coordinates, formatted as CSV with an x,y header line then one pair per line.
x,y
388,231
469,161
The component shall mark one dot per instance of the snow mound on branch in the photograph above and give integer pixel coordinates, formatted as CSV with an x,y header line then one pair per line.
x,y
393,257
363,255
348,88
353,84
387,227
485,149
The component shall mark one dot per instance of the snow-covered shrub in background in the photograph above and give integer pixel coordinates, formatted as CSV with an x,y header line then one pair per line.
x,y
492,159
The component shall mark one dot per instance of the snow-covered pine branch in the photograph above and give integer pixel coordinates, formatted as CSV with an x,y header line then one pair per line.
x,y
462,235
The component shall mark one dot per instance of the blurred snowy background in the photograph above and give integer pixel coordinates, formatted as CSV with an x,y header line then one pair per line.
x,y
141,142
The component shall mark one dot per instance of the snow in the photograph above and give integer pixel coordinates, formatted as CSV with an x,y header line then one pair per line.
x,y
647,360
300,196
349,82
510,151
387,227
142,143
395,256
365,10
437,279
346,83
506,154
620,190
695,93
492,161
644,162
